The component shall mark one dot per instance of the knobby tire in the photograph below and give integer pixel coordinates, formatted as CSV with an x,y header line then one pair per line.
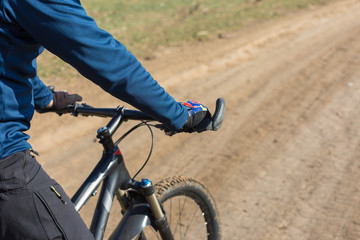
x,y
190,210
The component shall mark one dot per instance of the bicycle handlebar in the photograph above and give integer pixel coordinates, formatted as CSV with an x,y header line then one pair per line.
x,y
213,123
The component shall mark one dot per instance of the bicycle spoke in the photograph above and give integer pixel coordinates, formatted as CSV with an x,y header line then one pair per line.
x,y
199,227
156,234
191,218
180,211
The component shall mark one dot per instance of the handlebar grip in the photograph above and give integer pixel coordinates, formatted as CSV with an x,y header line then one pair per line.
x,y
214,123
219,114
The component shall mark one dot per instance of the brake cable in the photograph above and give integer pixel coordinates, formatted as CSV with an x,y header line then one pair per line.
x,y
143,123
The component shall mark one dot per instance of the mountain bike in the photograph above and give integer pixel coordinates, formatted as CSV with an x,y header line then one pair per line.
x,y
175,208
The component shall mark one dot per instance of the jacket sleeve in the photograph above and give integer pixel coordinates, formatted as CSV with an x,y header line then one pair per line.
x,y
42,95
64,28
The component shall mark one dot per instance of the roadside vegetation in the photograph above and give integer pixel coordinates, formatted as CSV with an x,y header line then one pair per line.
x,y
145,25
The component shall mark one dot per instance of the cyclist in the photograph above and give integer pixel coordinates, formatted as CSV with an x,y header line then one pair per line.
x,y
32,205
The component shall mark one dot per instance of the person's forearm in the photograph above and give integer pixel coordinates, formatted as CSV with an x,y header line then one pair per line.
x,y
64,28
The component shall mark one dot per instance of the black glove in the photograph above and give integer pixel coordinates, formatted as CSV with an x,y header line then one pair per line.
x,y
197,113
62,99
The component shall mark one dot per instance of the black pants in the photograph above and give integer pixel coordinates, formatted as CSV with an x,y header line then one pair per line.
x,y
34,206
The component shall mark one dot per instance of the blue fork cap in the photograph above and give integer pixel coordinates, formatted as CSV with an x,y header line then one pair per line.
x,y
145,183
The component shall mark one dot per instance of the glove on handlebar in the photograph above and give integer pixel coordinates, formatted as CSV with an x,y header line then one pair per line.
x,y
62,99
197,113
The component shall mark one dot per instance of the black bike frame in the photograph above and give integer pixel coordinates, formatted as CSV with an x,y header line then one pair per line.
x,y
112,171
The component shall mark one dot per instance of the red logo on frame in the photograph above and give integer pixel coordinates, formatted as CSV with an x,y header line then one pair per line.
x,y
117,152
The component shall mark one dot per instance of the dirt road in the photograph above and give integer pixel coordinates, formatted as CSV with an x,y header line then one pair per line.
x,y
286,164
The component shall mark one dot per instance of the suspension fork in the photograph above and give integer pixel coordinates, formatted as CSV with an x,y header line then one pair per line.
x,y
122,199
146,188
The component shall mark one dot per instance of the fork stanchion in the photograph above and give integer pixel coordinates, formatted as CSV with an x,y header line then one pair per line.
x,y
149,193
160,222
123,200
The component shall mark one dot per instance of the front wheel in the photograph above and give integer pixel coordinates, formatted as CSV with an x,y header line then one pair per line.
x,y
190,210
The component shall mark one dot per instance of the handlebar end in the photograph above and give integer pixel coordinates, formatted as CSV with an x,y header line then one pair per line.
x,y
219,114
214,123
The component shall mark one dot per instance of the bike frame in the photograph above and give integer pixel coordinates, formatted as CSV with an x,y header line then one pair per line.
x,y
143,210
112,171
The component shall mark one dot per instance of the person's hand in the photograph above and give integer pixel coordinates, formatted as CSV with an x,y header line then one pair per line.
x,y
197,112
61,99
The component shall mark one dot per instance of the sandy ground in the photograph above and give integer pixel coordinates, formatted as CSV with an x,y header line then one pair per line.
x,y
285,164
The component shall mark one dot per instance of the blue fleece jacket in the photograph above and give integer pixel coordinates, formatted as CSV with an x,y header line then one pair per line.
x,y
64,28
